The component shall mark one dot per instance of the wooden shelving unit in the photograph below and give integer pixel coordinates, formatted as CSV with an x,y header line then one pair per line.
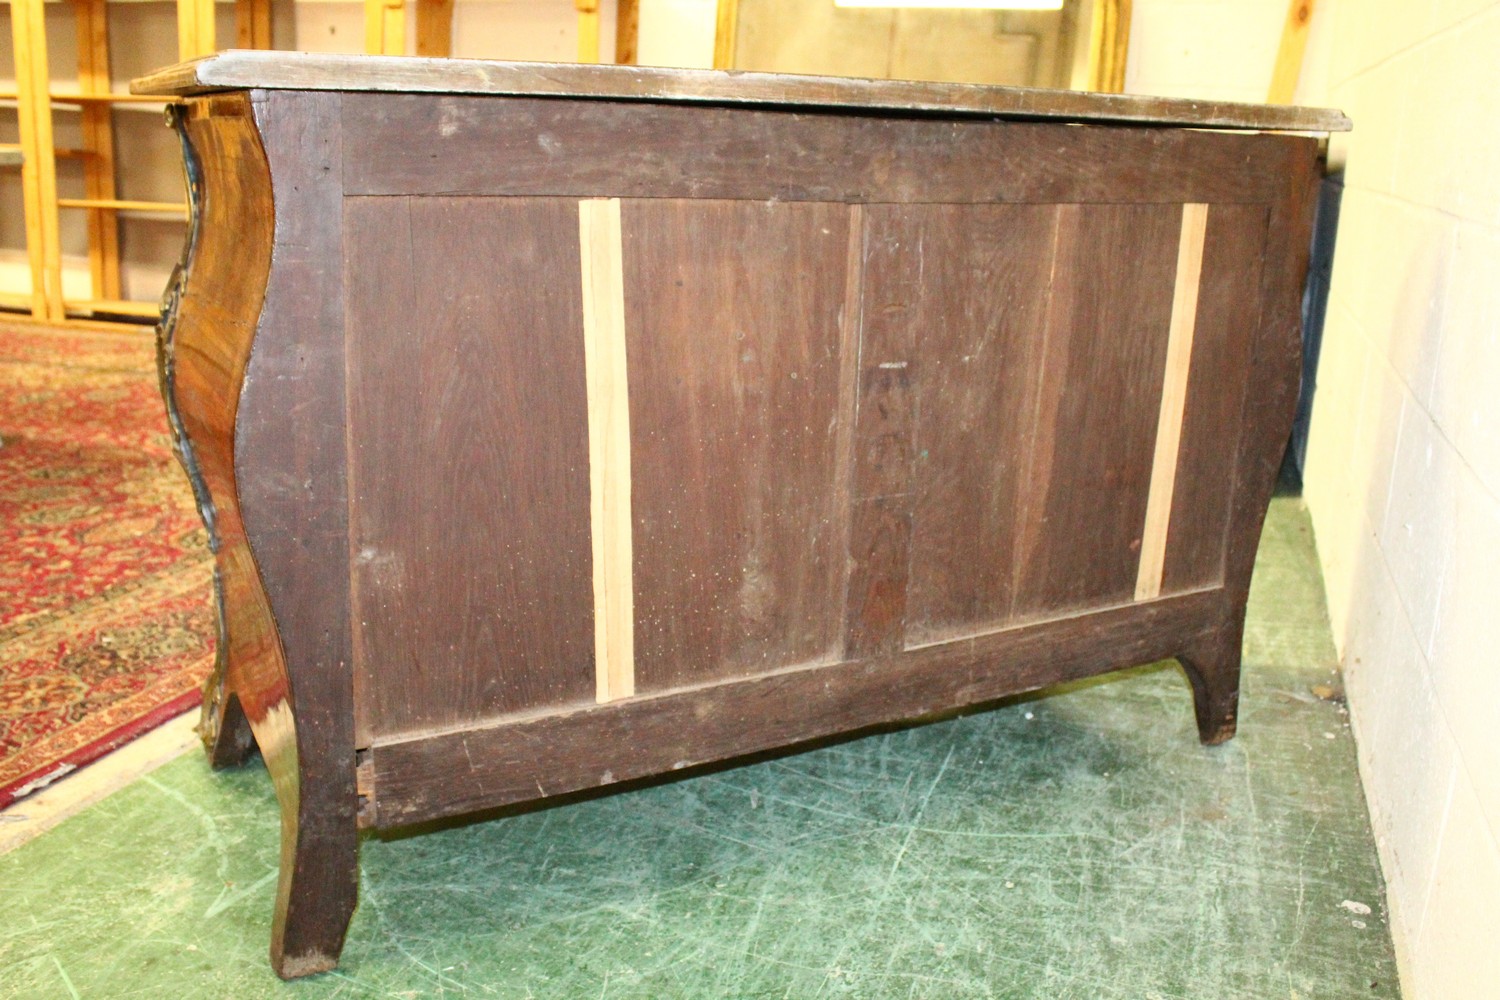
x,y
37,102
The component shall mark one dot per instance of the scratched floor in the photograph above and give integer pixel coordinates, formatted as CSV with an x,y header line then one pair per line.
x,y
1078,845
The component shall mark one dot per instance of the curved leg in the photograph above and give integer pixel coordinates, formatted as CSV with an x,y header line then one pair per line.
x,y
247,425
316,893
1212,666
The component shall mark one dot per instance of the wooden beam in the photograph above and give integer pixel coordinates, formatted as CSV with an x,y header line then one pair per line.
x,y
39,168
385,27
1173,402
1289,56
588,30
252,24
601,259
99,144
119,205
435,28
196,33
115,307
627,32
726,23
1109,45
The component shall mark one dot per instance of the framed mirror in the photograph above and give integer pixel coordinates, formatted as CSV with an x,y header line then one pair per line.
x,y
1070,44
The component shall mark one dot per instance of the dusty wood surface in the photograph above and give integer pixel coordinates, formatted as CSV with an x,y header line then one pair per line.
x,y
429,776
237,70
401,144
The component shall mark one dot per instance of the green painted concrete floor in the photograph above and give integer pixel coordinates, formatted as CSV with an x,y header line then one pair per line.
x,y
1080,844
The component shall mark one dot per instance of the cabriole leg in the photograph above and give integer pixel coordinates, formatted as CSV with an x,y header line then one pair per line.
x,y
1212,666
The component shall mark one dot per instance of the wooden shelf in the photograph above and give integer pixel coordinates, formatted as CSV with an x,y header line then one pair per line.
x,y
82,99
114,307
11,155
123,205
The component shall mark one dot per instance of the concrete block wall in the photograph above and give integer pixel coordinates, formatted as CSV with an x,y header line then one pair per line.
x,y
1403,474
1403,471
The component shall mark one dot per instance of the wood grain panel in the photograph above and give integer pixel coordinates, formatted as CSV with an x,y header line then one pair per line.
x,y
1088,470
1228,313
1173,397
439,144
732,317
601,258
880,522
469,459
969,287
582,748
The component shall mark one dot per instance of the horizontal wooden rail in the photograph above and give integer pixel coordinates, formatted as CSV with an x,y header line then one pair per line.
x,y
121,205
119,307
81,99
427,776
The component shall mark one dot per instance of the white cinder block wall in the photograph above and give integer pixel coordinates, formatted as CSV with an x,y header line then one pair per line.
x,y
1403,472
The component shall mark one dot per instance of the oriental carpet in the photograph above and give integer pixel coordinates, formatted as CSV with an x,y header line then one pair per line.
x,y
106,622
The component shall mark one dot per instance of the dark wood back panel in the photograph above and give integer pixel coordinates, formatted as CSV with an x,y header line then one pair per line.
x,y
836,450
975,321
733,331
441,145
1089,464
1228,316
469,482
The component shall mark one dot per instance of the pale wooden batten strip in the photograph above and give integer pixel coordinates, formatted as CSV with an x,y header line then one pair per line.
x,y
602,264
1173,400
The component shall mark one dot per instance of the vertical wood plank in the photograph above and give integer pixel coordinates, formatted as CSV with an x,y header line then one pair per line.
x,y
1289,54
976,317
627,31
734,336
726,24
850,325
196,30
469,460
1212,422
1089,460
588,30
1173,399
1109,45
602,264
252,24
385,27
39,166
880,532
435,28
98,139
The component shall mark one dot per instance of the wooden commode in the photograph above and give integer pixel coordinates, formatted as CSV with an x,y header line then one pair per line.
x,y
557,426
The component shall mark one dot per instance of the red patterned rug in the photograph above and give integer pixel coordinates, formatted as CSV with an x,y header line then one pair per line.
x,y
106,625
